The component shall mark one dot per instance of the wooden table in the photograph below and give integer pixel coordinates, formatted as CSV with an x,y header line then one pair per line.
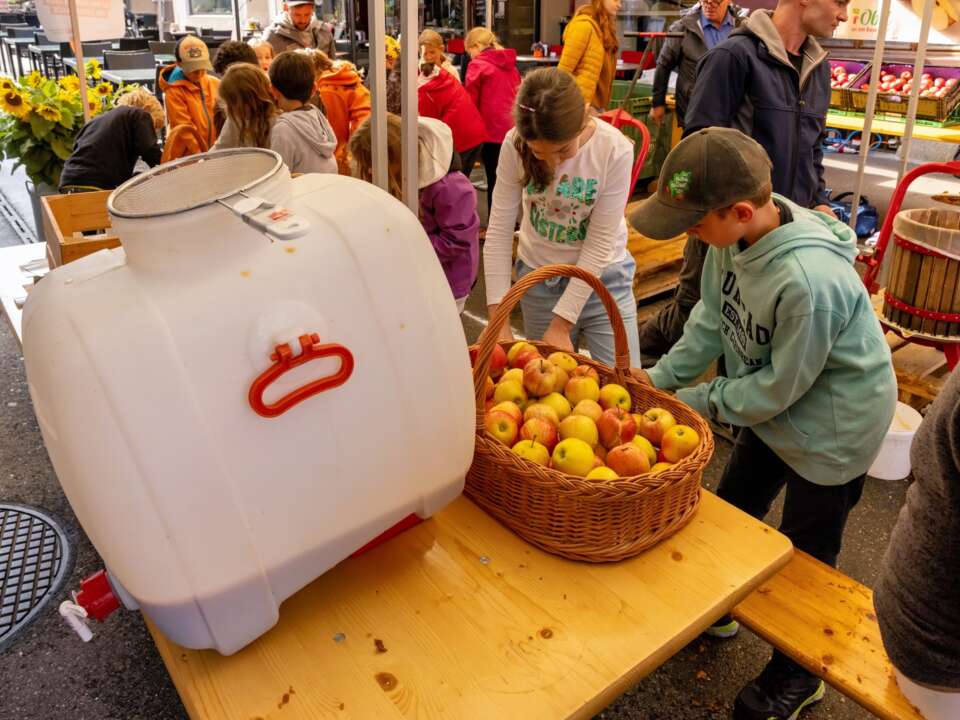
x,y
141,76
13,280
949,134
459,618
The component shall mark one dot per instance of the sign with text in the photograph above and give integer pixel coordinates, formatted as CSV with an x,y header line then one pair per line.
x,y
863,22
98,19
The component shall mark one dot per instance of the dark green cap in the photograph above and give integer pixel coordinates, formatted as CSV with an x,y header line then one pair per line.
x,y
708,170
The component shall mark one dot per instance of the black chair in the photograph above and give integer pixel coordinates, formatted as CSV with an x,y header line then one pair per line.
x,y
206,31
192,30
39,53
213,43
147,20
31,19
228,34
150,33
128,44
119,60
19,33
11,18
163,47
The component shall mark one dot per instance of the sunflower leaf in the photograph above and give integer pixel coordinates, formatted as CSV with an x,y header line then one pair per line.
x,y
41,128
61,147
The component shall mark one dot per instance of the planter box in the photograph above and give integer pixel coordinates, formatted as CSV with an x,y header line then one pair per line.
x,y
840,97
895,104
76,225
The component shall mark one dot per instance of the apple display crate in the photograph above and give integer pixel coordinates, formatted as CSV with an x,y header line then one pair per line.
x,y
590,520
239,397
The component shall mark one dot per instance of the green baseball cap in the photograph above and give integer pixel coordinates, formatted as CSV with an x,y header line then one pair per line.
x,y
710,169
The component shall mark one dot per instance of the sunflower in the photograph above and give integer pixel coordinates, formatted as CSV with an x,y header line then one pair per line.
x,y
104,89
7,84
15,103
69,82
96,107
34,79
93,69
49,112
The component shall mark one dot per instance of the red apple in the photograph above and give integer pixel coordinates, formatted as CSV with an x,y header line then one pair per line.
x,y
501,426
906,75
950,82
516,348
498,360
939,82
654,423
488,388
540,377
540,430
542,410
511,409
590,408
628,459
580,388
616,426
678,442
586,370
521,359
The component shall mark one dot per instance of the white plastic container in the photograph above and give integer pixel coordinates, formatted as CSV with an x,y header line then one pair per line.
x,y
140,363
893,462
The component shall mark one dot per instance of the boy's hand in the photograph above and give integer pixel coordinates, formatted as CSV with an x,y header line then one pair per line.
x,y
826,209
641,376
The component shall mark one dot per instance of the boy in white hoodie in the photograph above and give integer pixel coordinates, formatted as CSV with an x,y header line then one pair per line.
x,y
302,135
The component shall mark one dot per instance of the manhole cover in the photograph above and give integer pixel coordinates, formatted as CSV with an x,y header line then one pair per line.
x,y
35,559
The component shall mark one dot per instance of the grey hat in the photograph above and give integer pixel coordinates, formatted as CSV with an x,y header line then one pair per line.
x,y
708,170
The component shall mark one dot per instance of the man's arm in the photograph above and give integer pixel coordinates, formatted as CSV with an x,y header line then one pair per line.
x,y
718,92
667,62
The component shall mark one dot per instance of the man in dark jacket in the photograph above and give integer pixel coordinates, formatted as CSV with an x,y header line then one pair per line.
x,y
297,27
704,26
770,80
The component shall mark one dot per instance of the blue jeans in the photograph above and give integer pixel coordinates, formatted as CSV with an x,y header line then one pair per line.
x,y
538,303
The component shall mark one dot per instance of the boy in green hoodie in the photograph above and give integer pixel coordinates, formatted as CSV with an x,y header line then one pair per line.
x,y
810,382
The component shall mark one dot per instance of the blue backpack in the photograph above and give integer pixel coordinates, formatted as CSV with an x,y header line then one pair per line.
x,y
867,217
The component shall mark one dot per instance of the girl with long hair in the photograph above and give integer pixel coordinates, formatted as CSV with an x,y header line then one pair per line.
x,y
590,48
570,175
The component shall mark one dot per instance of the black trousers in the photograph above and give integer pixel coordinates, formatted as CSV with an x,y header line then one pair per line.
x,y
491,158
468,158
814,516
663,330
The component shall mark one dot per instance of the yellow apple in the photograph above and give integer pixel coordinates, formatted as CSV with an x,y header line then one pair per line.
x,y
582,388
613,395
562,379
543,431
602,473
580,427
488,388
501,426
558,402
563,360
516,348
585,371
511,391
512,375
511,409
645,445
590,408
540,377
573,456
660,467
532,451
678,442
542,410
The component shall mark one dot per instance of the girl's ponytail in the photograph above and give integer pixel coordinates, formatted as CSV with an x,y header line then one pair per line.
x,y
549,107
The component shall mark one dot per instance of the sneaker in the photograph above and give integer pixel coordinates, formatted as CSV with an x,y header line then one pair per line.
x,y
780,692
725,627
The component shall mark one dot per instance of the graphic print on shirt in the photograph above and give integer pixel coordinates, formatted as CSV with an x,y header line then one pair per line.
x,y
564,216
737,324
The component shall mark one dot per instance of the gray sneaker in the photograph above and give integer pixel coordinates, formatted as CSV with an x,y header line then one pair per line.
x,y
725,627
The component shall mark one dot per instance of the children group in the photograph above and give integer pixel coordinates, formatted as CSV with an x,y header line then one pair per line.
x,y
807,378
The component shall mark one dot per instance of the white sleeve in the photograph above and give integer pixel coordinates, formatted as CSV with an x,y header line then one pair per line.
x,y
228,136
606,220
498,246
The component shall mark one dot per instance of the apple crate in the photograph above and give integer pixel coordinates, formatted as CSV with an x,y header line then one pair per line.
x,y
570,516
928,108
76,225
840,96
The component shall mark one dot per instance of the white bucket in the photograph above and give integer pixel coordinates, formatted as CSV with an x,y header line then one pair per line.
x,y
893,462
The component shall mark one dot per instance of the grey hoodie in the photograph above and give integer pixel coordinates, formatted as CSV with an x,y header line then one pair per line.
x,y
282,36
303,138
305,141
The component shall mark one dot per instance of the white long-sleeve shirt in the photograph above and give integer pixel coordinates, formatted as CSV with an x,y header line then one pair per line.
x,y
578,219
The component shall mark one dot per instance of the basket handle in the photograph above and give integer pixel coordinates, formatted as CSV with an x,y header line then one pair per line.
x,y
490,335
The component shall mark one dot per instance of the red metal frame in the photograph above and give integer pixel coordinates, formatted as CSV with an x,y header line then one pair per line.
x,y
875,261
618,118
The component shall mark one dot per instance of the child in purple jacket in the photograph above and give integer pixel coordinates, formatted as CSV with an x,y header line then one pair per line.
x,y
448,202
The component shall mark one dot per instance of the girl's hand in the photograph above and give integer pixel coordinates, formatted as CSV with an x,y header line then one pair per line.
x,y
558,334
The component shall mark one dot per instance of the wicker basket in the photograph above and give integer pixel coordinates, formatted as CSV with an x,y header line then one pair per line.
x,y
596,521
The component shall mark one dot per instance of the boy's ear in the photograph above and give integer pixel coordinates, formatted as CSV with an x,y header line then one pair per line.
x,y
745,211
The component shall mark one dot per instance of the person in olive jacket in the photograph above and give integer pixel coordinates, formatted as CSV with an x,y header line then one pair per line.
x,y
704,26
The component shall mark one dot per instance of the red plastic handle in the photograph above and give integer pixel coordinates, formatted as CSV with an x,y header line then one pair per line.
x,y
284,361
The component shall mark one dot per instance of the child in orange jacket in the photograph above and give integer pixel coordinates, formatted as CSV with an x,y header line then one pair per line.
x,y
346,101
190,97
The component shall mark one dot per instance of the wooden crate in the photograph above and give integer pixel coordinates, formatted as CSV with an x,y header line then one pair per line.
x,y
658,262
76,225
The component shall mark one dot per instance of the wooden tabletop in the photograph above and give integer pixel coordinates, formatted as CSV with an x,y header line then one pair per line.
x,y
949,134
459,618
13,281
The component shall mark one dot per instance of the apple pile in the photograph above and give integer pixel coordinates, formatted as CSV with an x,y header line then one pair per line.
x,y
554,412
930,85
839,77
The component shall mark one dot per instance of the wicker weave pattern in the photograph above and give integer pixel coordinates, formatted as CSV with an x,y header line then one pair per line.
x,y
570,516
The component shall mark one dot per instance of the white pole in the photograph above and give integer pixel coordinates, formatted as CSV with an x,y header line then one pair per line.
x,y
915,90
160,19
488,8
871,107
409,17
378,86
78,54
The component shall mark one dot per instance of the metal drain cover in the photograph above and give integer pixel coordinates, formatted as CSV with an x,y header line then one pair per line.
x,y
35,559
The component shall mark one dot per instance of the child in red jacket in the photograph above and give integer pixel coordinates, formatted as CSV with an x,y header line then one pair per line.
x,y
440,96
492,82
